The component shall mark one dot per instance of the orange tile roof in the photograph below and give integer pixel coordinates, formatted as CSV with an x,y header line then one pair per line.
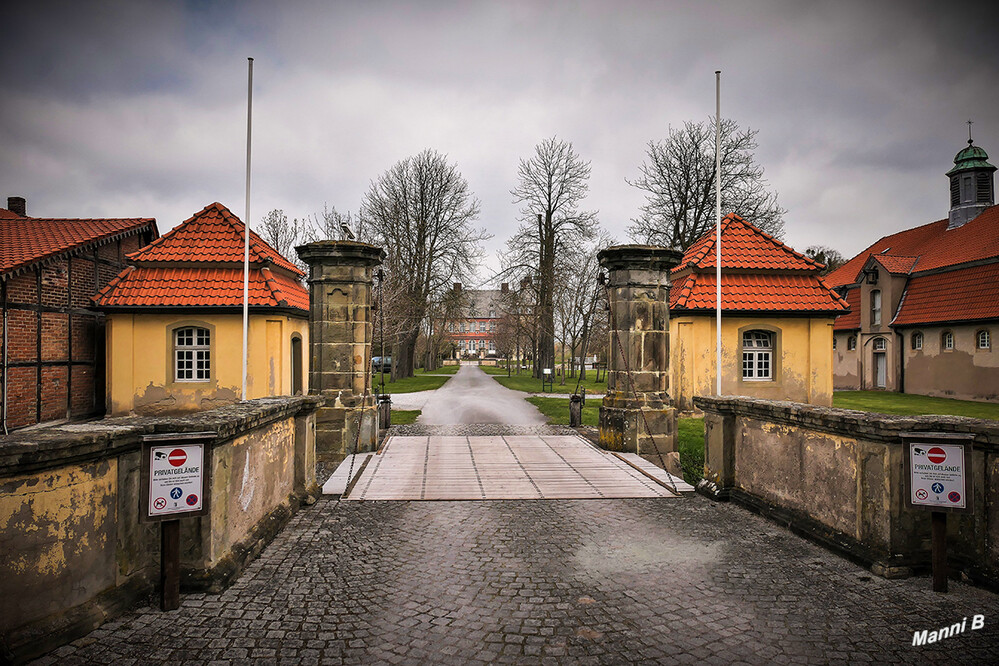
x,y
961,295
935,246
169,286
759,274
200,264
744,246
754,292
212,234
27,240
851,320
897,265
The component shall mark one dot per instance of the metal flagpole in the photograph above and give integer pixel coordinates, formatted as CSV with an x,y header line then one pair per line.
x,y
246,225
718,240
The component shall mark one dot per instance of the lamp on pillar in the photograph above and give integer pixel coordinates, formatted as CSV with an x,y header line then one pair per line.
x,y
340,332
637,405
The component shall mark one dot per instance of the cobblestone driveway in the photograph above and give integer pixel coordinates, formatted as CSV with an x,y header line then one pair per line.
x,y
592,581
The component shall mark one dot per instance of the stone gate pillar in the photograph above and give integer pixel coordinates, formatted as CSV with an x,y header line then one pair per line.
x,y
340,330
638,291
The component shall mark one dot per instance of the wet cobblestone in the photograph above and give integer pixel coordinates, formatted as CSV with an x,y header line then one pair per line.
x,y
547,582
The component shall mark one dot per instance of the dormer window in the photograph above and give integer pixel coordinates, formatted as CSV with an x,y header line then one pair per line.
x,y
871,276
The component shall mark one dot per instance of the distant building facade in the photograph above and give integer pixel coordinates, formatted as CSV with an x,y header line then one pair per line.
x,y
174,320
925,301
777,320
53,363
473,333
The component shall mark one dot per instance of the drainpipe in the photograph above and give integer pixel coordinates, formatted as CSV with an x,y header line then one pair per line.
x,y
901,361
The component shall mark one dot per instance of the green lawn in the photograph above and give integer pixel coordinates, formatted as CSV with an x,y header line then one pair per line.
x,y
904,403
404,416
690,435
421,381
525,382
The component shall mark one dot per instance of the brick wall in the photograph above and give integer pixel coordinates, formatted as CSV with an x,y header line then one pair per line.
x,y
56,376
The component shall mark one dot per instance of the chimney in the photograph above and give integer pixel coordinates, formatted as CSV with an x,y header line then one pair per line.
x,y
505,287
16,205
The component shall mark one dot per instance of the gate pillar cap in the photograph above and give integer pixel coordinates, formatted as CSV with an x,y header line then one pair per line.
x,y
647,257
341,252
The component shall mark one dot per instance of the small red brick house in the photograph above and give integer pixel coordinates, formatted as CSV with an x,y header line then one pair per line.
x,y
52,349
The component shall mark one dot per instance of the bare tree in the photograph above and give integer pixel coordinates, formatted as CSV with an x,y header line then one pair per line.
x,y
577,304
552,185
679,179
421,211
825,255
281,234
331,224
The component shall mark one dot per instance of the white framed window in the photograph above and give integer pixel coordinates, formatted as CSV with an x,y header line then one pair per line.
x,y
492,346
851,342
482,326
461,327
192,354
876,307
947,340
984,339
880,344
917,340
757,355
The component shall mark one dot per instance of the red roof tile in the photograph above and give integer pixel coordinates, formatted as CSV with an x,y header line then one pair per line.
x,y
935,246
896,265
146,286
744,247
960,295
26,240
200,264
212,234
851,320
756,292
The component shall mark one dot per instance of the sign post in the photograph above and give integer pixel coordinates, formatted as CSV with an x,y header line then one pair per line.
x,y
939,479
175,484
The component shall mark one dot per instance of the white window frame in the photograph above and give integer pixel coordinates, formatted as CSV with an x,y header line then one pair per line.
x,y
192,354
879,345
851,343
947,341
876,307
757,356
983,339
917,341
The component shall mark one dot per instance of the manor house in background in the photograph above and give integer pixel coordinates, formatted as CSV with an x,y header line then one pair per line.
x,y
925,301
474,332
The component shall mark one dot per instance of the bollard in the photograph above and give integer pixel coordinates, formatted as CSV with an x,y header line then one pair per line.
x,y
575,411
384,411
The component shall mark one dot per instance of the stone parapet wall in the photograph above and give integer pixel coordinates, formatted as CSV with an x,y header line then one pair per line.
x,y
75,551
837,476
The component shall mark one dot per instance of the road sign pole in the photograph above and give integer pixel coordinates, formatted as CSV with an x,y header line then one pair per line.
x,y
939,551
170,565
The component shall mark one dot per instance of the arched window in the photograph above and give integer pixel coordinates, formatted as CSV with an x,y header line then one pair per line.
x,y
984,339
834,342
876,307
880,344
947,340
192,354
917,340
757,355
851,342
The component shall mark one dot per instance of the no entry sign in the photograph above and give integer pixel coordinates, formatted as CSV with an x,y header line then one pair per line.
x,y
175,475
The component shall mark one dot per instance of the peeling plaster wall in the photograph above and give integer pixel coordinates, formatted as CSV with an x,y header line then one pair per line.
x,y
965,372
803,368
140,361
75,552
837,476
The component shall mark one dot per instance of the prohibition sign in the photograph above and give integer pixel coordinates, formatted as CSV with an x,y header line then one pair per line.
x,y
177,457
159,503
936,455
921,494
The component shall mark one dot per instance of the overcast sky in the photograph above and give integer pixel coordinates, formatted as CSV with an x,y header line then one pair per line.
x,y
138,109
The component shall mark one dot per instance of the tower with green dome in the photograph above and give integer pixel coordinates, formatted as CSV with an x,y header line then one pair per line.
x,y
972,189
